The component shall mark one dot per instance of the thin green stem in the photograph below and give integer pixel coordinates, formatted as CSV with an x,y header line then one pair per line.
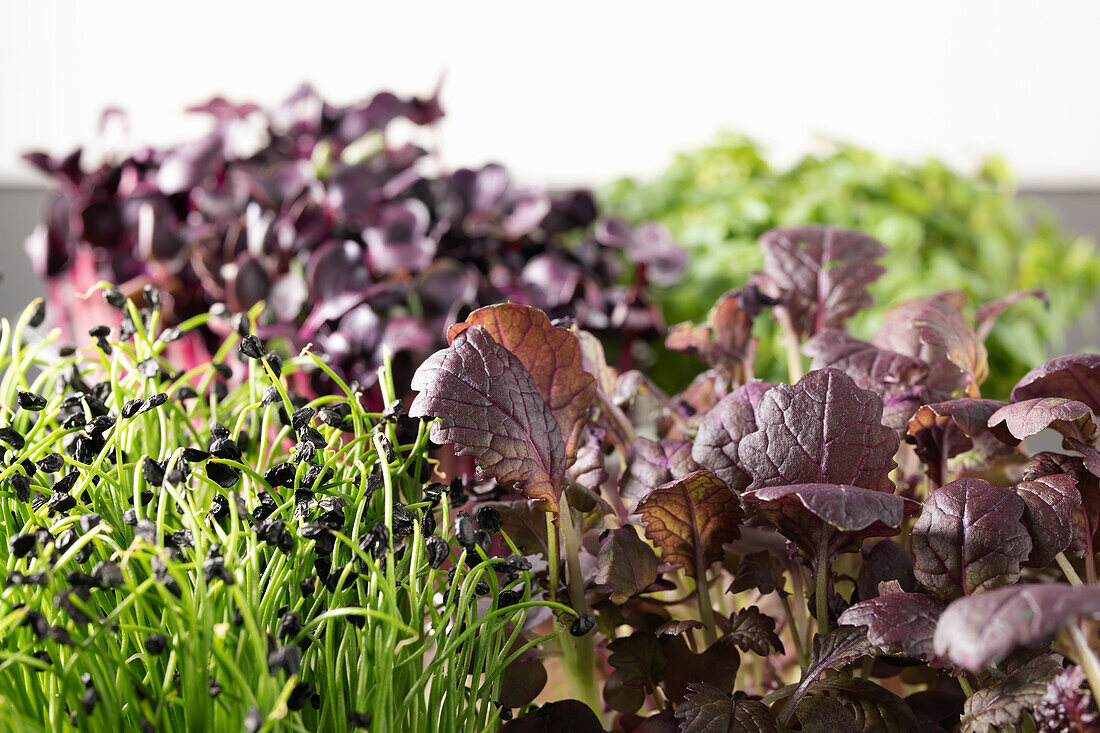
x,y
821,567
1086,658
581,660
1067,569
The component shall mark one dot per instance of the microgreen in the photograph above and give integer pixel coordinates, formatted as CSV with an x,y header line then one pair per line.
x,y
182,554
358,244
837,551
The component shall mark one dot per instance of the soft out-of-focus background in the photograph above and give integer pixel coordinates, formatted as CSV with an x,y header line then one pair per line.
x,y
577,92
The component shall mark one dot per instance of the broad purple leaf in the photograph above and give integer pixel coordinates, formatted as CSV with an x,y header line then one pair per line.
x,y
522,681
932,330
872,707
1002,704
551,354
571,715
651,463
1087,518
835,650
641,658
981,630
822,273
841,515
884,561
525,525
824,429
824,715
757,570
1075,377
751,630
625,564
872,368
904,620
1050,503
489,407
690,518
1020,420
721,430
706,709
716,665
969,538
620,696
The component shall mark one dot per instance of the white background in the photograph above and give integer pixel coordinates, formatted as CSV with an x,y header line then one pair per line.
x,y
580,92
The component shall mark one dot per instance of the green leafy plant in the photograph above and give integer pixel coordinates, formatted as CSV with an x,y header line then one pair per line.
x,y
944,231
183,553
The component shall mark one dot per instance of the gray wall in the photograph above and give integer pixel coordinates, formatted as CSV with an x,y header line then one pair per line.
x,y
19,211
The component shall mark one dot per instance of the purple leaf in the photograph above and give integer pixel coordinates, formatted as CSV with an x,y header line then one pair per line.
x,y
980,630
571,715
1020,420
588,470
943,430
1075,377
1002,704
726,339
757,571
721,430
885,561
824,429
522,681
841,516
1050,503
871,707
872,368
640,658
904,620
969,538
398,239
834,650
690,518
825,715
822,273
525,525
675,628
489,407
751,630
551,355
337,267
651,464
620,696
647,244
717,665
987,315
626,564
931,329
706,709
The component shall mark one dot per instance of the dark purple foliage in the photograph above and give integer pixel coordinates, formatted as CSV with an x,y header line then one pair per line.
x,y
757,489
970,538
824,429
980,630
314,209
